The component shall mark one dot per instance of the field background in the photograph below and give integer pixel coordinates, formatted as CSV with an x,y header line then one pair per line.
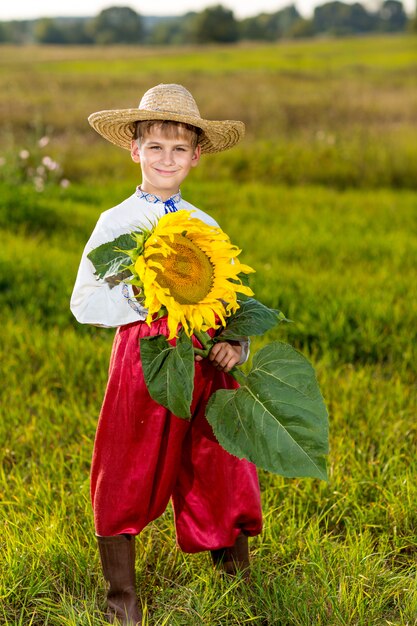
x,y
322,197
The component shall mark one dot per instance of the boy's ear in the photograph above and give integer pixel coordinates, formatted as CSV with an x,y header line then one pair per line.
x,y
134,151
196,156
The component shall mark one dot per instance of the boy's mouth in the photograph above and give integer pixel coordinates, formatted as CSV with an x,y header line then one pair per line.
x,y
165,172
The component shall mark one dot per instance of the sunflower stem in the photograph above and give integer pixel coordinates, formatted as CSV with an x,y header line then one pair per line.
x,y
238,375
206,341
200,352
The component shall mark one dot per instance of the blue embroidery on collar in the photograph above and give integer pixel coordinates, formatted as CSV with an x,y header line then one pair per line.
x,y
169,205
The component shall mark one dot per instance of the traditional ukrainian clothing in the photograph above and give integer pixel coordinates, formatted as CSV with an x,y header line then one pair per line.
x,y
143,454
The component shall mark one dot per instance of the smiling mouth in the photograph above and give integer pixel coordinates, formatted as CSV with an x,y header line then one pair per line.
x,y
166,172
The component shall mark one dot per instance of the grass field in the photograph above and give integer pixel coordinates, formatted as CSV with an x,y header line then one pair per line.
x,y
322,197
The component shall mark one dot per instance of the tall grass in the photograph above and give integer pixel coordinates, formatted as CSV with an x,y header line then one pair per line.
x,y
339,263
326,112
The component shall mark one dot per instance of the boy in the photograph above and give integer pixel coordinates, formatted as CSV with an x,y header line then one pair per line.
x,y
144,455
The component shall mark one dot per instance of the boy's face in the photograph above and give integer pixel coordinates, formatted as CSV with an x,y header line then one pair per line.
x,y
165,160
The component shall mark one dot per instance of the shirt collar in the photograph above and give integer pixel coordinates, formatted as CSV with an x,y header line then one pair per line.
x,y
154,199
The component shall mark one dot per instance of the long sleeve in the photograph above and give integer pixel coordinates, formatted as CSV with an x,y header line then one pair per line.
x,y
245,344
92,300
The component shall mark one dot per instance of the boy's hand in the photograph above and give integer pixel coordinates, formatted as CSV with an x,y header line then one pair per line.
x,y
224,355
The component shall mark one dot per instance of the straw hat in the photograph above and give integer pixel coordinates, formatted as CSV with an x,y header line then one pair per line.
x,y
167,102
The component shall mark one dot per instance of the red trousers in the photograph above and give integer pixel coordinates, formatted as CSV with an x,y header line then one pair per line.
x,y
144,455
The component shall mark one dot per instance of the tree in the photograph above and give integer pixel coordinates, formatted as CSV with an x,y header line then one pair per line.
x,y
339,18
413,23
391,16
252,28
48,31
165,32
18,32
301,28
3,33
76,30
270,26
286,18
173,31
117,25
360,21
214,24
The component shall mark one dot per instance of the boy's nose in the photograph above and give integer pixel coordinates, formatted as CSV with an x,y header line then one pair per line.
x,y
167,157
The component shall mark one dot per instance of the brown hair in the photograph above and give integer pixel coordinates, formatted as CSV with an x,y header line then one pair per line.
x,y
170,128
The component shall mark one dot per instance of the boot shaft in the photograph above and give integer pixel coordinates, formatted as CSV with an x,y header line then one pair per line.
x,y
117,555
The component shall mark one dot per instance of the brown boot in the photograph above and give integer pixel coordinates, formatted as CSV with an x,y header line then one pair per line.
x,y
117,556
233,560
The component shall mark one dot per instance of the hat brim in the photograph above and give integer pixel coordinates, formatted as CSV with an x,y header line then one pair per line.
x,y
118,127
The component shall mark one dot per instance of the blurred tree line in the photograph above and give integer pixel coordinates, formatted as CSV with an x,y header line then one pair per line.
x,y
215,24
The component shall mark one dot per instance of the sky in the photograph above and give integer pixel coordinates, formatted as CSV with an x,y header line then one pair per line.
x,y
29,9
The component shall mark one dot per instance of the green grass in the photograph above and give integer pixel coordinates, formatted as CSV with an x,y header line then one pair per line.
x,y
335,253
379,53
340,113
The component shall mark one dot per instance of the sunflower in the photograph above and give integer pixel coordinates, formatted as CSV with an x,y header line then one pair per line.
x,y
189,270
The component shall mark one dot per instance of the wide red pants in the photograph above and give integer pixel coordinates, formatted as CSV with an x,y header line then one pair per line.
x,y
144,455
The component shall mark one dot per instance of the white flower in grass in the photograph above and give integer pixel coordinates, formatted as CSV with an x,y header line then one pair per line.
x,y
24,154
43,141
50,164
65,183
39,183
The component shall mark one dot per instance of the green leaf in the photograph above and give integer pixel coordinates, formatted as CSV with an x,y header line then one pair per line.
x,y
252,318
169,372
277,418
109,258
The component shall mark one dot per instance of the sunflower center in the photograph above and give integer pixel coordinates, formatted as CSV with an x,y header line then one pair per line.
x,y
188,273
